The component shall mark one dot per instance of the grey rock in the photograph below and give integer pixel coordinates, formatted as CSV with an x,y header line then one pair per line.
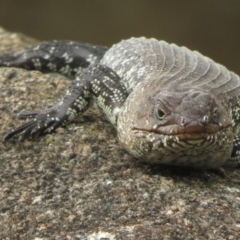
x,y
79,184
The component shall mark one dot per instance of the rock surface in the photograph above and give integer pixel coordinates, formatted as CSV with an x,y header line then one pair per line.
x,y
79,184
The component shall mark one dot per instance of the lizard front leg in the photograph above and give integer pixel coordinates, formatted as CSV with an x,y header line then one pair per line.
x,y
98,82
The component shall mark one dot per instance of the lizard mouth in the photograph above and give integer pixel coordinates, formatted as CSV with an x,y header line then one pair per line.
x,y
196,132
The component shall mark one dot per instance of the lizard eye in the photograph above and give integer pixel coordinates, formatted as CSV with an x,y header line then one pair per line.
x,y
215,112
160,113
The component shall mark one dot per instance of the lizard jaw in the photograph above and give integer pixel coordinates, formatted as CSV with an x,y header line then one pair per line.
x,y
193,132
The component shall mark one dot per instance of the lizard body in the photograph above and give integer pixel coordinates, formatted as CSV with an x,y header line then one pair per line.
x,y
170,105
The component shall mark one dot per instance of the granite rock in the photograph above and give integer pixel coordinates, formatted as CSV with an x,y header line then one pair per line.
x,y
80,184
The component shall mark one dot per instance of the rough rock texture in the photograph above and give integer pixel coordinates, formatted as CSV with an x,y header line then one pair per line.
x,y
80,184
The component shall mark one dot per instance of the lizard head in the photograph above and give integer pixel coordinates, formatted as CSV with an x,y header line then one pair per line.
x,y
189,128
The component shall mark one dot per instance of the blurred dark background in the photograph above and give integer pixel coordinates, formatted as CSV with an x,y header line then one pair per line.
x,y
211,27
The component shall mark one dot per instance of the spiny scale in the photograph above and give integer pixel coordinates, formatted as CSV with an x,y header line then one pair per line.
x,y
121,76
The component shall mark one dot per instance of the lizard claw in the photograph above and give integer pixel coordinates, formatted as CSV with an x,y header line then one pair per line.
x,y
41,123
26,114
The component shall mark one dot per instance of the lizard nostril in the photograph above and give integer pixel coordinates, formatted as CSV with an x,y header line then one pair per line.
x,y
205,120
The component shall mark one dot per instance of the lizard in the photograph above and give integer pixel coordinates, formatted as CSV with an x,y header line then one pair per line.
x,y
170,105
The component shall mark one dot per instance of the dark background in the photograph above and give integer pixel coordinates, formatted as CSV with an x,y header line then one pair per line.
x,y
211,27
